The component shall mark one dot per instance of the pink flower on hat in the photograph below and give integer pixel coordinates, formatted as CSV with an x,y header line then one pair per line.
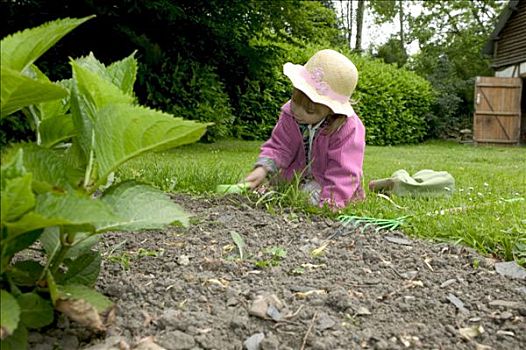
x,y
317,78
317,74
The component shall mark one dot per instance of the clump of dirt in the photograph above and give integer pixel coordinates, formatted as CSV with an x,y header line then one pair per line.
x,y
187,288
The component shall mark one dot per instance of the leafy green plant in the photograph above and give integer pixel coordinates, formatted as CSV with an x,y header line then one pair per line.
x,y
55,191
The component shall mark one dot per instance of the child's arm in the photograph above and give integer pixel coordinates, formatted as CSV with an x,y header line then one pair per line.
x,y
344,168
284,141
279,150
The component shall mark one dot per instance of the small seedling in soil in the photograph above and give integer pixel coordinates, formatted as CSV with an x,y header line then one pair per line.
x,y
141,252
240,243
125,258
476,263
122,259
277,254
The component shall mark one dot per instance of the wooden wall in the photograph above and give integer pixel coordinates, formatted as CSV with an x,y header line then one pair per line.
x,y
510,47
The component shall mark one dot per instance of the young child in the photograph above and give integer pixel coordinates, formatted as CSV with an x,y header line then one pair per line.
x,y
318,134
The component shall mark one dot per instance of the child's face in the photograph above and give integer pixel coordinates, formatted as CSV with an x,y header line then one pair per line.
x,y
305,111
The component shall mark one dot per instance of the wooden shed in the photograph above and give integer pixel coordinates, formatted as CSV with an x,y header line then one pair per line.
x,y
500,101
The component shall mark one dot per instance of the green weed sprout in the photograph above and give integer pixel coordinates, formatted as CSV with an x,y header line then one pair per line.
x,y
240,243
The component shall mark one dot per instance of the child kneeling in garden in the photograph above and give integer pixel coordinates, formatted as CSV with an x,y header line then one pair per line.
x,y
318,134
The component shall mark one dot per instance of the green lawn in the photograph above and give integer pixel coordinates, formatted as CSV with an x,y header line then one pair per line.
x,y
490,185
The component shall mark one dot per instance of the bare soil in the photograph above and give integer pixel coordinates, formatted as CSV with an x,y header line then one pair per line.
x,y
187,288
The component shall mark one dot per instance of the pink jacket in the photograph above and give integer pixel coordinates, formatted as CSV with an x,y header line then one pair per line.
x,y
337,159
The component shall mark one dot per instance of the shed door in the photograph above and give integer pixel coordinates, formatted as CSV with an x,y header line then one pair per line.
x,y
497,116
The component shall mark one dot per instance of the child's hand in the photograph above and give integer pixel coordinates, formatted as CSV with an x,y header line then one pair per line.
x,y
256,177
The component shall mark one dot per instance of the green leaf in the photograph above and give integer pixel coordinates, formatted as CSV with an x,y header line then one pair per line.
x,y
80,292
50,240
121,73
12,244
74,209
125,131
141,207
84,305
26,272
124,73
30,222
83,270
18,91
84,241
56,129
17,341
50,169
35,312
52,108
69,209
17,198
21,49
93,87
13,168
9,314
90,92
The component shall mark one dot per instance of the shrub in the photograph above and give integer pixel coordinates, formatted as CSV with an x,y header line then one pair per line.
x,y
260,100
192,91
54,191
259,108
392,103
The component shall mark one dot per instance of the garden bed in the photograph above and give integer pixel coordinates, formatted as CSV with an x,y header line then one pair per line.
x,y
187,288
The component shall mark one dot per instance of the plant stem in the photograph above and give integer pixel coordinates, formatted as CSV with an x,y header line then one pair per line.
x,y
37,123
59,257
89,168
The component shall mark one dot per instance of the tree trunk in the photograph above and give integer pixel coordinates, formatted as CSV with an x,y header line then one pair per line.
x,y
359,25
401,16
349,21
347,13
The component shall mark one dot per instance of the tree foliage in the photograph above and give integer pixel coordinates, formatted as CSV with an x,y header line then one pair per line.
x,y
393,52
197,58
451,35
205,60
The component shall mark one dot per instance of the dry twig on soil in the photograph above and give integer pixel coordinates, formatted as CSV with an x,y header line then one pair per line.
x,y
308,331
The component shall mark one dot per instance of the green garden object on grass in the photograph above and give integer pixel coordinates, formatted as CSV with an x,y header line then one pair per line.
x,y
235,188
380,224
424,183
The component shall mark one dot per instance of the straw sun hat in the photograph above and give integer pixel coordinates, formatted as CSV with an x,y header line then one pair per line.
x,y
328,78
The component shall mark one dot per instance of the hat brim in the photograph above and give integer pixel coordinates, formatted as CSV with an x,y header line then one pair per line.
x,y
293,72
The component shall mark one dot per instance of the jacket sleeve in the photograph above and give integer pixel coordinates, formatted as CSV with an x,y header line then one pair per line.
x,y
343,177
282,146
